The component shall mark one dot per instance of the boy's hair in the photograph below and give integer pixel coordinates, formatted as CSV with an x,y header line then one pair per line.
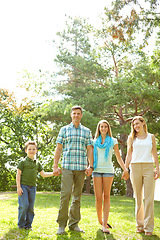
x,y
30,143
77,107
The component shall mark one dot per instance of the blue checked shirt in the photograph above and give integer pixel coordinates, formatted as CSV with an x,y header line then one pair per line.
x,y
74,141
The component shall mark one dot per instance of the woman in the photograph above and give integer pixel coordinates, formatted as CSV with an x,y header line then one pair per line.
x,y
141,146
103,173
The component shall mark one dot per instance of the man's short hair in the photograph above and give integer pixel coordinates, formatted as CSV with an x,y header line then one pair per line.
x,y
30,143
77,107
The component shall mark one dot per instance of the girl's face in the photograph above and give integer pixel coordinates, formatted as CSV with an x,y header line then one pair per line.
x,y
138,125
103,128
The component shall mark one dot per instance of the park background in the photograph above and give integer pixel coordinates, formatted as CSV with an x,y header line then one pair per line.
x,y
101,55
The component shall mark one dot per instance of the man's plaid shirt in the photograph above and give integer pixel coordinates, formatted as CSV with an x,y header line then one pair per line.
x,y
74,141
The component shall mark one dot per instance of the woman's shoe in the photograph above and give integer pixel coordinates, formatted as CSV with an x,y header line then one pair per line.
x,y
148,233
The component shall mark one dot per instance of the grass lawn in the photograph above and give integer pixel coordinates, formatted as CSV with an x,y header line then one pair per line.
x,y
46,209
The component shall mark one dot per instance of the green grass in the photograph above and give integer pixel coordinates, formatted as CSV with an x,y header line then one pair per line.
x,y
46,209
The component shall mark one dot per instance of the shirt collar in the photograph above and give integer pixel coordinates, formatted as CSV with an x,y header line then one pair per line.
x,y
29,159
73,126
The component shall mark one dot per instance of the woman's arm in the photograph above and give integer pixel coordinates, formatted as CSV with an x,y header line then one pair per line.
x,y
155,157
129,152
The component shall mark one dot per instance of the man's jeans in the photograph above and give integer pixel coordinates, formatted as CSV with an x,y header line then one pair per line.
x,y
26,206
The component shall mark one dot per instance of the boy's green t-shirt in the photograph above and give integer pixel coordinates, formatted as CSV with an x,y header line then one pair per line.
x,y
30,168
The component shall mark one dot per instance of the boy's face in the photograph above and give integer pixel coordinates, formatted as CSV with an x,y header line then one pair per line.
x,y
31,151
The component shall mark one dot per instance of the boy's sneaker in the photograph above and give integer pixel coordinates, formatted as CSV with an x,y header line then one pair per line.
x,y
29,228
61,230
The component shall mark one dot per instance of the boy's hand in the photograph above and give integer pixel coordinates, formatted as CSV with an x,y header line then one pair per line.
x,y
20,191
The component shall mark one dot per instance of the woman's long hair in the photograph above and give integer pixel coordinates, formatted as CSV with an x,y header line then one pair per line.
x,y
97,133
133,133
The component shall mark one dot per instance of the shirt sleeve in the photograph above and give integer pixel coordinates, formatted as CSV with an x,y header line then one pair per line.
x,y
89,139
40,168
20,165
115,141
60,136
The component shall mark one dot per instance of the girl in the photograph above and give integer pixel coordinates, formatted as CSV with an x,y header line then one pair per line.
x,y
103,173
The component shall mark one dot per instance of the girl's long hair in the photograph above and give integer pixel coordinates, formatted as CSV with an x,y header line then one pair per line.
x,y
97,133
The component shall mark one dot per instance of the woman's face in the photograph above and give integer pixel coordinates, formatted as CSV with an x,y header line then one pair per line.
x,y
138,125
103,128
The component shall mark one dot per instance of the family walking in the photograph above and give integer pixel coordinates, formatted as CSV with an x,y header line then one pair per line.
x,y
84,156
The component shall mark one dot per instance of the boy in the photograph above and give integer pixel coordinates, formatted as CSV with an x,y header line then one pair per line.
x,y
27,171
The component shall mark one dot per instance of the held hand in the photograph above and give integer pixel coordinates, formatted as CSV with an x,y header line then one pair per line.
x,y
89,171
125,175
57,171
19,191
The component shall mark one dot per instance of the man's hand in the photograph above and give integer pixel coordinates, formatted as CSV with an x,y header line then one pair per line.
x,y
89,171
57,171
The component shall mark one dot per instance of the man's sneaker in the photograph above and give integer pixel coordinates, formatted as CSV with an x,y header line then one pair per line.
x,y
61,230
77,229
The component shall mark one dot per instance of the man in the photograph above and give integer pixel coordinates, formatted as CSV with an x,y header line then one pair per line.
x,y
75,141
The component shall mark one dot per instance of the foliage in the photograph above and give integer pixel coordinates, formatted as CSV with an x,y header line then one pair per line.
x,y
127,19
18,125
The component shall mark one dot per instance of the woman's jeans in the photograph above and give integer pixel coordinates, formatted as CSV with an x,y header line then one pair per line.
x,y
26,206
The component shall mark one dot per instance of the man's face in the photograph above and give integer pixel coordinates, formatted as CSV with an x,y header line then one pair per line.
x,y
76,116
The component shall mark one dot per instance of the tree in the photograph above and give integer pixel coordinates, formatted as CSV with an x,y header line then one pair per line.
x,y
120,90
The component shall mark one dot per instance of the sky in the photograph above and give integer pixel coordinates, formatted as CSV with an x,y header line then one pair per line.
x,y
27,29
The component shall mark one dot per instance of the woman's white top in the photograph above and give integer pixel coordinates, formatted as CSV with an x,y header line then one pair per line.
x,y
142,150
104,166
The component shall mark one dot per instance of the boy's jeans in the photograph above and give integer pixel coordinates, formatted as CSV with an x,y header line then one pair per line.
x,y
26,206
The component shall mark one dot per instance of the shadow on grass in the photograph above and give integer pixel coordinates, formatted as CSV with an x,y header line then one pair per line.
x,y
72,235
153,237
15,233
100,236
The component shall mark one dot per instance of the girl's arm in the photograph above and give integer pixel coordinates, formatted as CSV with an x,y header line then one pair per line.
x,y
120,161
155,156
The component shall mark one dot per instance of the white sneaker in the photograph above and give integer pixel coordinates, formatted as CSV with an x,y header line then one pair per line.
x,y
61,230
77,229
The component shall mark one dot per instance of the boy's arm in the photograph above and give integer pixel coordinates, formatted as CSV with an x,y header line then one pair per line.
x,y
46,174
18,181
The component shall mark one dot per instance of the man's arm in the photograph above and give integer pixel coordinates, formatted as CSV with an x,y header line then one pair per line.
x,y
57,155
18,181
89,170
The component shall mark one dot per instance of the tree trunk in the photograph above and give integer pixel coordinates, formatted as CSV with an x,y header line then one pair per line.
x,y
88,182
123,140
129,191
